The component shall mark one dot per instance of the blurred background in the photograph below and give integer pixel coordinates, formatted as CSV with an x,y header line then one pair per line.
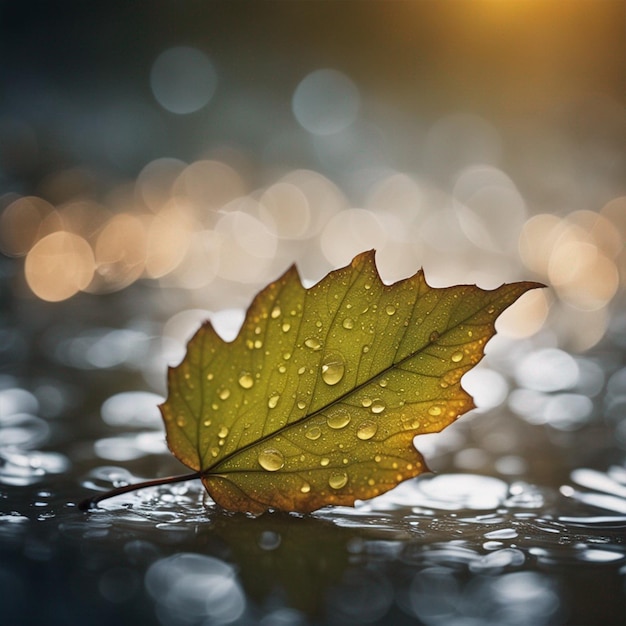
x,y
161,162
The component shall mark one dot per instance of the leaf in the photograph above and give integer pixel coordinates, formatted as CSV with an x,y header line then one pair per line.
x,y
318,399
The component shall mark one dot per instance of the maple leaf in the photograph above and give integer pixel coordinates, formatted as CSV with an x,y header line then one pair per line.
x,y
317,400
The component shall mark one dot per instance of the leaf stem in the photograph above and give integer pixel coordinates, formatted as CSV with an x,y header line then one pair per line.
x,y
90,503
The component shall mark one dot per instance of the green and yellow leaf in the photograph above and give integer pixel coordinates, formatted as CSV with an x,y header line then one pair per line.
x,y
318,399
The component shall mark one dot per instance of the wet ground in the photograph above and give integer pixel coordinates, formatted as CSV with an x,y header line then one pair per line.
x,y
522,523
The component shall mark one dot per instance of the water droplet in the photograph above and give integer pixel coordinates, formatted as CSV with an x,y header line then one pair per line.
x,y
287,356
246,380
305,488
286,327
273,400
434,335
301,404
378,406
324,461
383,383
368,286
491,309
339,419
338,480
215,451
301,370
366,402
318,324
348,323
315,432
249,344
206,423
282,369
366,430
390,309
222,432
365,349
378,458
258,344
275,312
456,357
224,394
434,411
271,459
209,376
313,343
180,421
333,368
470,333
258,330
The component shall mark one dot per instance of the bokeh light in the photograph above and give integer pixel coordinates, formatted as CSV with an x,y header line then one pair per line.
x,y
325,102
183,80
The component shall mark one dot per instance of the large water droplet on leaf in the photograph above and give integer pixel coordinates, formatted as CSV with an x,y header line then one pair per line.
x,y
337,480
273,401
456,357
246,380
366,430
378,406
315,432
271,459
333,368
348,323
339,419
313,343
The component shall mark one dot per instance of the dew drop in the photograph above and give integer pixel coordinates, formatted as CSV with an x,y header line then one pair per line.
x,y
258,344
470,333
180,421
209,376
383,383
206,423
324,461
282,369
366,402
333,368
305,488
338,420
318,324
271,459
273,400
456,357
434,335
275,312
338,480
222,432
286,327
348,323
315,432
366,430
246,380
287,356
378,406
390,309
434,411
301,404
215,451
378,458
491,309
365,349
224,394
313,343
301,370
